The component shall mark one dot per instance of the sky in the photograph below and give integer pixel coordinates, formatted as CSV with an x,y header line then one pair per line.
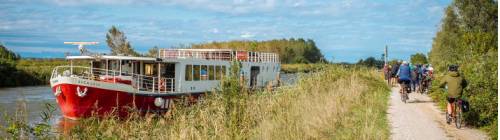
x,y
344,30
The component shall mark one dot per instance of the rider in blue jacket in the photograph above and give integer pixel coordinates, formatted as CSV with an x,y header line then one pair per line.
x,y
404,74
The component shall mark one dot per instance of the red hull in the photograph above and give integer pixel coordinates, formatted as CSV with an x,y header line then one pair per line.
x,y
102,102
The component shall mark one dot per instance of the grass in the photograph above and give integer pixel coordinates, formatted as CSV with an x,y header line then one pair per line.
x,y
334,103
302,68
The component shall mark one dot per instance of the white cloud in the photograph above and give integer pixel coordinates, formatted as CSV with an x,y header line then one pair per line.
x,y
226,6
214,30
89,2
435,9
247,35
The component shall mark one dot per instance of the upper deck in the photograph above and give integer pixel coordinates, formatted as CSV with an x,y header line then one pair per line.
x,y
205,54
218,54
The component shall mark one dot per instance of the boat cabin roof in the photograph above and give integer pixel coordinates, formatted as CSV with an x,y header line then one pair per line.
x,y
110,57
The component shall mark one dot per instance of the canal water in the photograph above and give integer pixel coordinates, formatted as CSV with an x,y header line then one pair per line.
x,y
32,100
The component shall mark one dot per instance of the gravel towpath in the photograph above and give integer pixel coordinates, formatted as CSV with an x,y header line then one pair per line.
x,y
420,119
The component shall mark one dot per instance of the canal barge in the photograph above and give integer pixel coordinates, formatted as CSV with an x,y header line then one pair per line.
x,y
108,84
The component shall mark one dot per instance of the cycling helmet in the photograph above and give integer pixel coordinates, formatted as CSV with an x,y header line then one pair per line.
x,y
453,67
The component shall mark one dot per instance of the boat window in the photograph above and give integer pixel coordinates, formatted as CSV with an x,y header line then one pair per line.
x,y
148,68
114,67
189,72
211,73
196,72
223,71
204,72
126,68
218,71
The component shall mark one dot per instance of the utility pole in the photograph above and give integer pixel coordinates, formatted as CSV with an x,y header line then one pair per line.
x,y
385,55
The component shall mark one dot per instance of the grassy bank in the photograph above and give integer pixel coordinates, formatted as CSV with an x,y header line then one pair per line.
x,y
302,68
334,103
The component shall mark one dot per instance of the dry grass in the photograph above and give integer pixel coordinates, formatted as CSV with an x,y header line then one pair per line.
x,y
303,68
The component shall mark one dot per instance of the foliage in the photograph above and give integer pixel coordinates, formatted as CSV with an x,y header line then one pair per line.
x,y
10,75
468,37
17,126
153,52
25,72
7,54
302,68
371,62
418,58
290,50
394,61
118,43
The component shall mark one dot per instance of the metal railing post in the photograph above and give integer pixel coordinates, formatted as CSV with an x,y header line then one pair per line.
x,y
171,85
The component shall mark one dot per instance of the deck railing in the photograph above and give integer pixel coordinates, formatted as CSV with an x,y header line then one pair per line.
x,y
218,54
137,81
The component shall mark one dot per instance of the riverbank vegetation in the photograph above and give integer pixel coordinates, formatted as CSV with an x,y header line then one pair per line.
x,y
333,103
303,68
468,37
17,71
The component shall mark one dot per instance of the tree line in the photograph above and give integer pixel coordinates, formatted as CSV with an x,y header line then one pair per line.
x,y
10,75
468,37
290,50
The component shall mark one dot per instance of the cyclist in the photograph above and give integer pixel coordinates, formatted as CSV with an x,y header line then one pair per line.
x,y
430,69
414,77
404,74
455,83
426,77
394,71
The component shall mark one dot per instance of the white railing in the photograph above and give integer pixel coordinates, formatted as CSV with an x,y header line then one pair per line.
x,y
137,81
218,54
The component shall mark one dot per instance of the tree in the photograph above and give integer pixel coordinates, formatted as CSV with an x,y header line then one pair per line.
x,y
7,54
153,52
418,58
118,43
371,62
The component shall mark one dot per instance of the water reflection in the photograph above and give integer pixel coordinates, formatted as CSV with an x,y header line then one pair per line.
x,y
65,126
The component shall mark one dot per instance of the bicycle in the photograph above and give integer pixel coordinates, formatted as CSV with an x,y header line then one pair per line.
x,y
457,118
424,85
406,89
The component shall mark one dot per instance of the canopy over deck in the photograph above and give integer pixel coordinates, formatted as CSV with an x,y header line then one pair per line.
x,y
109,57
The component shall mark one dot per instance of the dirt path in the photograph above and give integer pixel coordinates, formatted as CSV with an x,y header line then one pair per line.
x,y
420,119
